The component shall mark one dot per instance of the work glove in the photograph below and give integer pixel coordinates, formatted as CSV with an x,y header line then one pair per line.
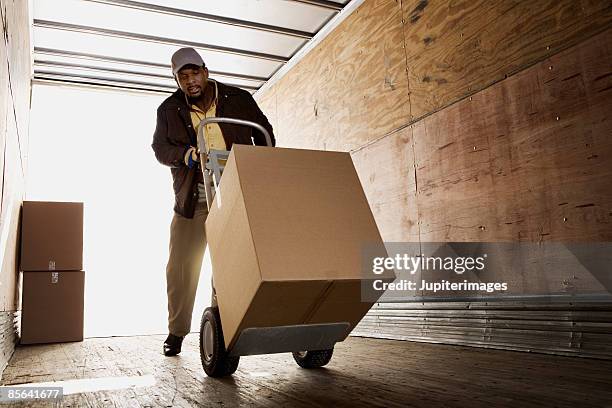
x,y
201,193
191,157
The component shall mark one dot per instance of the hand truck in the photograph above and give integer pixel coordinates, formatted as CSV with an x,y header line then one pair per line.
x,y
312,345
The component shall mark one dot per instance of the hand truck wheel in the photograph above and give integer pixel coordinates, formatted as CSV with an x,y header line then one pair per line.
x,y
313,359
215,359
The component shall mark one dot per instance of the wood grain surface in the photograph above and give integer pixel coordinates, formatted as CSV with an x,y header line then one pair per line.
x,y
391,63
350,89
5,100
527,159
17,24
386,172
460,47
14,114
362,373
15,64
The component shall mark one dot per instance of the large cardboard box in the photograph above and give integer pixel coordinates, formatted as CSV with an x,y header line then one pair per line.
x,y
52,307
286,234
51,236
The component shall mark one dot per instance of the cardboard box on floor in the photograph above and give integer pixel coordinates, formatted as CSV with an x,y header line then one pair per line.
x,y
51,236
52,307
286,235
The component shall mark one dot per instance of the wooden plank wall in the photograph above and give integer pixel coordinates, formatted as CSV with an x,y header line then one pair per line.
x,y
392,62
457,48
524,160
527,159
348,89
467,121
15,68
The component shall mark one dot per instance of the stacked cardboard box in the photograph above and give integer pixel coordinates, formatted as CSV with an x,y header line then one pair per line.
x,y
52,265
287,233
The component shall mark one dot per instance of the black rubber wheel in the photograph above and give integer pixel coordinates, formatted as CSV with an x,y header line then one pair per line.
x,y
215,360
313,359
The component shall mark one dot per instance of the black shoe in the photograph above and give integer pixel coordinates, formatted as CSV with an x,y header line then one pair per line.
x,y
172,345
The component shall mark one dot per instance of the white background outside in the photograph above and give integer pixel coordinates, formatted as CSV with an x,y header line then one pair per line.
x,y
94,146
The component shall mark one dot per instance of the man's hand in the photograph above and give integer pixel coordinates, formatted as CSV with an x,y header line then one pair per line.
x,y
191,157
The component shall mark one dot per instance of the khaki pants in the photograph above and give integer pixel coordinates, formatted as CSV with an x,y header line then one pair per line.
x,y
187,246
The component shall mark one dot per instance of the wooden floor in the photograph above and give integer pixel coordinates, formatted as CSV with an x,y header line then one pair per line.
x,y
363,372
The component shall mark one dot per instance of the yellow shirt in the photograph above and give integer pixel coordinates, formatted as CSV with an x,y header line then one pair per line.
x,y
212,134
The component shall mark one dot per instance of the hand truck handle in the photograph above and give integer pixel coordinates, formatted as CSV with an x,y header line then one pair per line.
x,y
206,121
212,175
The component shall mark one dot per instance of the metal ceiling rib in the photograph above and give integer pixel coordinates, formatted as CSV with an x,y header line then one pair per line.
x,y
51,75
98,83
64,62
166,78
43,63
332,5
132,62
206,17
150,38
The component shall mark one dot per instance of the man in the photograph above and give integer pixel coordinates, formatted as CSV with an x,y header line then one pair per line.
x,y
175,145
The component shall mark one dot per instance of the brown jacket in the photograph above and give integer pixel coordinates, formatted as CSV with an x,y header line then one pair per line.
x,y
174,133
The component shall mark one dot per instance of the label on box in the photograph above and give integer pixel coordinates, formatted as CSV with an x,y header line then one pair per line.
x,y
54,277
51,265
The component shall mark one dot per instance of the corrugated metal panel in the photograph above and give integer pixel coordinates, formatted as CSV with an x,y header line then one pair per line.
x,y
239,37
7,336
565,328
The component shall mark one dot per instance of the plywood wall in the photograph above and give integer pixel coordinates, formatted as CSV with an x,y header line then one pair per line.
x,y
347,90
526,159
457,48
386,167
393,62
15,68
467,120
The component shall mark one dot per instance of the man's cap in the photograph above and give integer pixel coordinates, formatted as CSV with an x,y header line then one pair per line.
x,y
185,56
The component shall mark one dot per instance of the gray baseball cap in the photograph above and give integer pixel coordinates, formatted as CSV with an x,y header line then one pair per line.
x,y
185,56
